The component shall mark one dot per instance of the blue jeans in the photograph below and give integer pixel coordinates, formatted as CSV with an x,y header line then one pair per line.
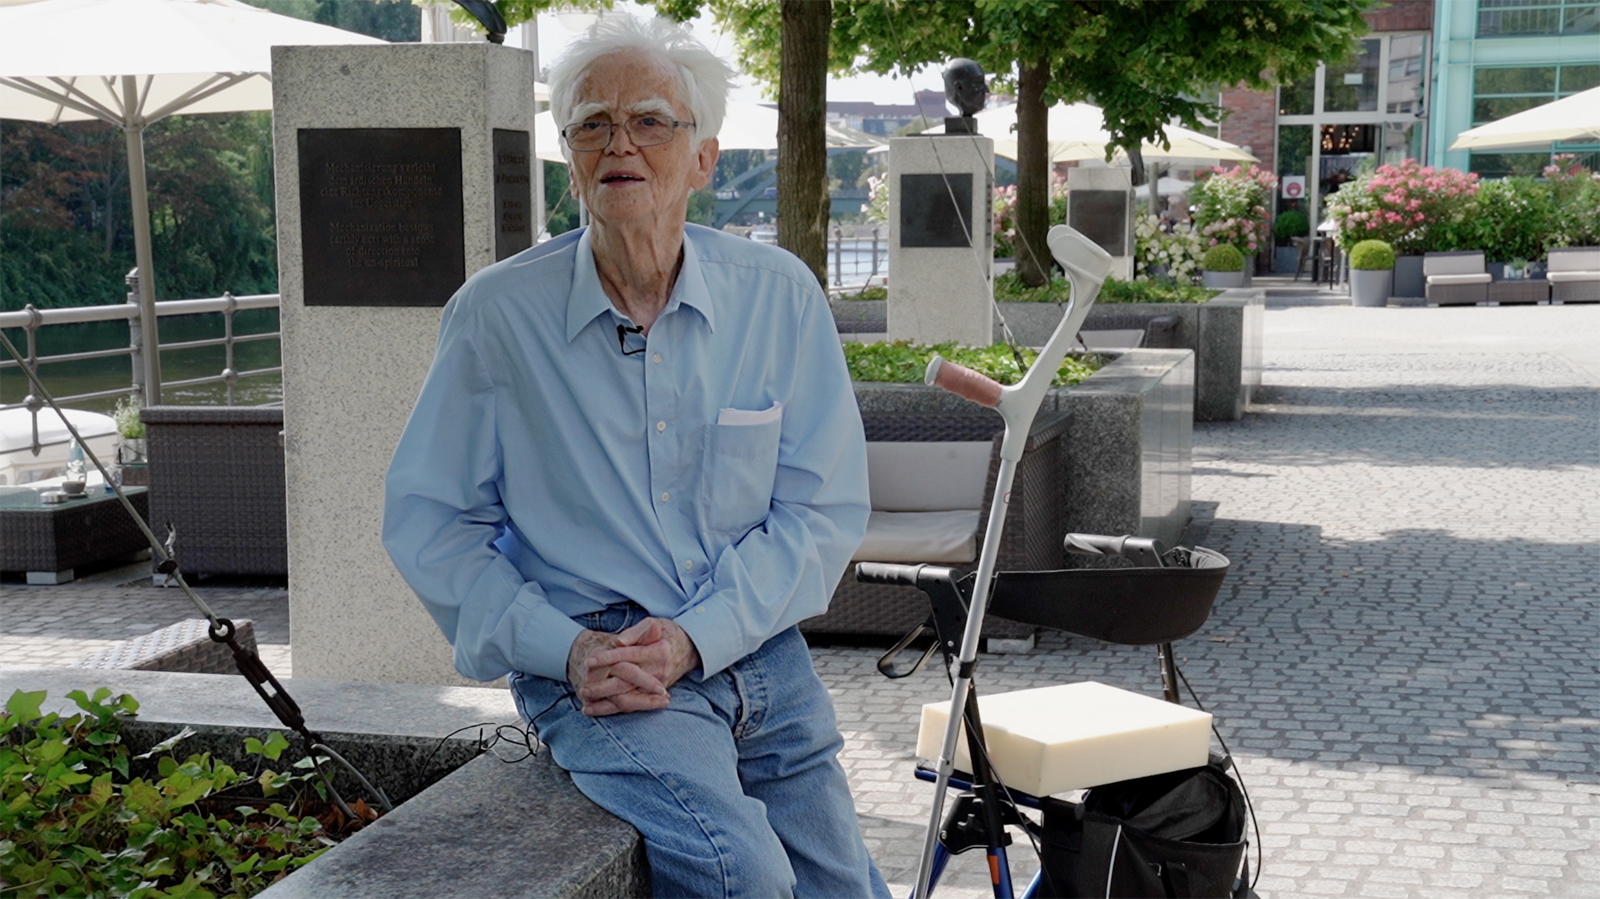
x,y
736,785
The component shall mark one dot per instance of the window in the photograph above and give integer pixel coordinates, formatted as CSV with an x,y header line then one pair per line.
x,y
1522,18
1499,92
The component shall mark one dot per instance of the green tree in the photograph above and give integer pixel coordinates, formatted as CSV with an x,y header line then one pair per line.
x,y
1140,61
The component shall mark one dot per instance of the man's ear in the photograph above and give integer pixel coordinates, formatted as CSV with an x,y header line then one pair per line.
x,y
705,164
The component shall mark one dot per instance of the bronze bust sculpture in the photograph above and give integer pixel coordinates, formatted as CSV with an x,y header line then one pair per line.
x,y
964,88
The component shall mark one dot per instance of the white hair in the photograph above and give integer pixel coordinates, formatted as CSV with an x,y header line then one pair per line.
x,y
704,76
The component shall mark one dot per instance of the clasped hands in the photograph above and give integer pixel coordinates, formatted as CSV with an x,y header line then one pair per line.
x,y
629,671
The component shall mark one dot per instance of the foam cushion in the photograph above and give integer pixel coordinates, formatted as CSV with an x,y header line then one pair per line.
x,y
1571,277
1478,278
931,476
945,538
1068,737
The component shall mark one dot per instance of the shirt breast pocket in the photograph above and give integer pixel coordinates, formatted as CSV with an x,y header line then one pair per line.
x,y
741,464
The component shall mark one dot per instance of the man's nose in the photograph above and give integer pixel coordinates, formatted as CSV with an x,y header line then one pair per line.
x,y
621,133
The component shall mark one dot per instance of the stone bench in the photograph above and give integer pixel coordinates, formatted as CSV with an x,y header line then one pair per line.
x,y
183,647
468,824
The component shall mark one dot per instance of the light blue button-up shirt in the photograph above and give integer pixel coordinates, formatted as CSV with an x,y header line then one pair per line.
x,y
544,474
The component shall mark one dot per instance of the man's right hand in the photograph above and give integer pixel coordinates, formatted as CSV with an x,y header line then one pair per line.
x,y
609,689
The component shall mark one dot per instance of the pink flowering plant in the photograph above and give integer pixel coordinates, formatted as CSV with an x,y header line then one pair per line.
x,y
1411,206
1231,207
1005,214
1575,191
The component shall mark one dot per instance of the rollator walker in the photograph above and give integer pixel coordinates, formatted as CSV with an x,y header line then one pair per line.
x,y
1161,816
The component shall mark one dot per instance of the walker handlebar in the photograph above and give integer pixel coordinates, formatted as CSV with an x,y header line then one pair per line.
x,y
888,573
962,381
1145,552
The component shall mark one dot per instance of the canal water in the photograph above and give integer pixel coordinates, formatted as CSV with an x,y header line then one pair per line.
x,y
67,378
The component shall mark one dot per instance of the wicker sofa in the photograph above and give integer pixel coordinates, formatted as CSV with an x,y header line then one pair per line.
x,y
216,475
1033,532
1574,274
1456,278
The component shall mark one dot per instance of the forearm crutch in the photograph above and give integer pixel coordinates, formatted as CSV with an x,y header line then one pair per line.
x,y
1087,266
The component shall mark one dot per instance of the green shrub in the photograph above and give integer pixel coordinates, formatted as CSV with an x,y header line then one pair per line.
x,y
76,819
1117,291
1223,258
902,362
1291,223
1370,255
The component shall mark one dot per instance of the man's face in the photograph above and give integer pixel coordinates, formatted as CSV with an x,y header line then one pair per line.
x,y
625,182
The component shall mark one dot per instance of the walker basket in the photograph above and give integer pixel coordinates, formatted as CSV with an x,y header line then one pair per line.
x,y
1129,606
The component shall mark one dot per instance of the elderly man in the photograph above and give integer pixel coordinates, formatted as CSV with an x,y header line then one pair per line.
x,y
635,466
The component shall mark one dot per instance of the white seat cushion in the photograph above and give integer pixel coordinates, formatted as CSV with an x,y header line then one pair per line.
x,y
1571,277
945,538
927,476
1479,278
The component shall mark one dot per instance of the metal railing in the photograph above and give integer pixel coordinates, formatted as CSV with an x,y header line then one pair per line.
x,y
31,320
857,260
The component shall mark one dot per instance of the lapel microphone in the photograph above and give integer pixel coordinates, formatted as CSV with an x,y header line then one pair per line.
x,y
622,339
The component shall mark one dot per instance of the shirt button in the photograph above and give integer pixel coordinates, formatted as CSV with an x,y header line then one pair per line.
x,y
661,426
688,564
699,610
665,497
656,358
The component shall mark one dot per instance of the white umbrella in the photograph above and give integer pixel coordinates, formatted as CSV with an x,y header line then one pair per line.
x,y
1165,187
1574,118
745,126
1077,132
134,62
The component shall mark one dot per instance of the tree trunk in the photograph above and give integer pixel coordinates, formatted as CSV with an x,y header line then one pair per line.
x,y
802,152
1033,174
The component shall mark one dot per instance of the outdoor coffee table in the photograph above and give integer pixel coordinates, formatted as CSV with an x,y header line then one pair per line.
x,y
1519,291
49,541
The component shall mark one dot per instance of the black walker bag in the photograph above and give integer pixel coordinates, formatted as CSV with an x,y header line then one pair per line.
x,y
1172,835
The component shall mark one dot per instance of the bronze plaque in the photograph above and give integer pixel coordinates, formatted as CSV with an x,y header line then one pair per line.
x,y
381,216
513,193
930,216
1102,216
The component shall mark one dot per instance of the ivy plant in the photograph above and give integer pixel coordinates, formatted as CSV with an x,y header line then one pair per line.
x,y
77,819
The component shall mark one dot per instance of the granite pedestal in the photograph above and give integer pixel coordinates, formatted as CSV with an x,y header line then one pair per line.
x,y
440,118
943,263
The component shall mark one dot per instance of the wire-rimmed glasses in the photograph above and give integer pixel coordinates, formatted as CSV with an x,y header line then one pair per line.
x,y
644,130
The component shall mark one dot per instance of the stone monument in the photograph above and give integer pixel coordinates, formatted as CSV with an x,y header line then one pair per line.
x,y
1101,207
401,170
941,232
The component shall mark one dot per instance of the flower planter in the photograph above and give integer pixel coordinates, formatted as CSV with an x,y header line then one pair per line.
x,y
1223,280
1284,260
447,837
1408,277
1370,287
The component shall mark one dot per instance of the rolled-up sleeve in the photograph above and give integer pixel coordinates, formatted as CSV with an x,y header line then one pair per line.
x,y
786,569
443,516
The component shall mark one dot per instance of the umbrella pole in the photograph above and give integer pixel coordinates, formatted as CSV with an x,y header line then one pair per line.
x,y
133,130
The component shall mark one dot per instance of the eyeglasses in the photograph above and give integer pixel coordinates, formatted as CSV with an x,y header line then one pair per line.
x,y
643,130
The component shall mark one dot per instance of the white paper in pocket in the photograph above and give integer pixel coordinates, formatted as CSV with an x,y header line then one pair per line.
x,y
731,416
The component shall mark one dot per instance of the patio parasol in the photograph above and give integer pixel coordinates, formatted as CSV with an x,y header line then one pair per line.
x,y
134,62
745,126
1077,132
1570,119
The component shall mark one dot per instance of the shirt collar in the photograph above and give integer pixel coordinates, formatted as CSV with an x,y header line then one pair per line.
x,y
588,299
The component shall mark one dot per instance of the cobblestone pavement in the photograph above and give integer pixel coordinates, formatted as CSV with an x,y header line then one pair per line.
x,y
1403,659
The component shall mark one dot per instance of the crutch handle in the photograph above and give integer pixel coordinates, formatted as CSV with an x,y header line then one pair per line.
x,y
887,573
962,381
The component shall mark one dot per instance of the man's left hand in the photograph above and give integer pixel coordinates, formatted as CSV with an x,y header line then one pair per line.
x,y
656,646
